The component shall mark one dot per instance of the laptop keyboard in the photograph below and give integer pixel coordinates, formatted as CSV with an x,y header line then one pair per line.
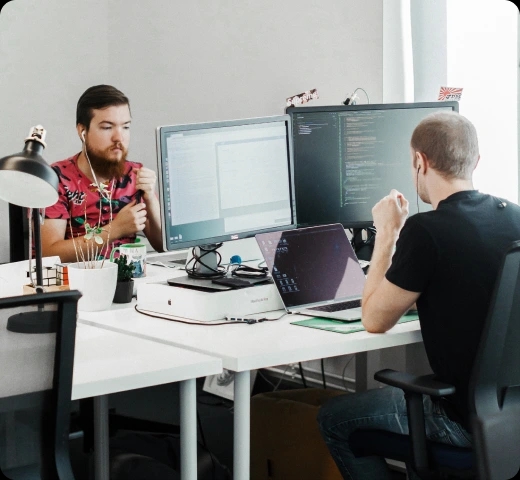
x,y
336,307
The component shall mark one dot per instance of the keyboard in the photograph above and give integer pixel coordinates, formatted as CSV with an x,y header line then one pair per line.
x,y
336,307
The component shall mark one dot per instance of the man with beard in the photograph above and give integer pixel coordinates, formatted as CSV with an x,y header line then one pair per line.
x,y
447,261
99,187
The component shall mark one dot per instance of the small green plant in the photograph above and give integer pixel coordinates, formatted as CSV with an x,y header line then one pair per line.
x,y
124,269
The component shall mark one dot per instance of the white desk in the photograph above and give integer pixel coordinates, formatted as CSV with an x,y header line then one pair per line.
x,y
245,347
107,362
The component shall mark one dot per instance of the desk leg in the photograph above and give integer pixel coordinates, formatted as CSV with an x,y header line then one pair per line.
x,y
241,426
188,401
367,363
101,468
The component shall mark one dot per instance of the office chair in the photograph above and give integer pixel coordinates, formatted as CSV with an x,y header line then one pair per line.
x,y
493,400
35,389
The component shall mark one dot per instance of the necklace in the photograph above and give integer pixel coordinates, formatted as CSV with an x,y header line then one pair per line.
x,y
102,187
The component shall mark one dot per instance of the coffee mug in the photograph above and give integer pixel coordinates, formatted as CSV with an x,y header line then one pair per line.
x,y
136,254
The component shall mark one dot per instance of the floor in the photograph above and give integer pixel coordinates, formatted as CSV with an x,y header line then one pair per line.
x,y
160,404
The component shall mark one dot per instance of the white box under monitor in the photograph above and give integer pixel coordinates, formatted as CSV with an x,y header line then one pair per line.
x,y
161,298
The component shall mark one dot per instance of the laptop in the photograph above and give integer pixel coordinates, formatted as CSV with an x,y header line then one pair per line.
x,y
315,270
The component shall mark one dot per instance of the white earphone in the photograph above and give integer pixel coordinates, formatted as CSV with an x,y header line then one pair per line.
x,y
101,192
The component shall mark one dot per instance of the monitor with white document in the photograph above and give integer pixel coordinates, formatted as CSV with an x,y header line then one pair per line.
x,y
221,181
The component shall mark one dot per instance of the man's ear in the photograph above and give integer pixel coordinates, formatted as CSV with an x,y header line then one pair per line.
x,y
81,129
421,162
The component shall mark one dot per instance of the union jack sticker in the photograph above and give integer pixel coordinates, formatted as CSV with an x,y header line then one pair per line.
x,y
449,93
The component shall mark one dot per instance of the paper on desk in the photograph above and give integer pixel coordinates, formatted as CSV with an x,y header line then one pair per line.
x,y
338,326
13,276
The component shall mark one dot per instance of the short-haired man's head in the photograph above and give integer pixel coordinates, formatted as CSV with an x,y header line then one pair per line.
x,y
97,98
449,141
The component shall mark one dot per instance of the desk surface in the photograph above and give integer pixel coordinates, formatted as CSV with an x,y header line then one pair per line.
x,y
245,347
107,362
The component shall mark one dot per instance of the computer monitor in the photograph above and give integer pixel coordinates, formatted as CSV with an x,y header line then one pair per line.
x,y
223,181
346,158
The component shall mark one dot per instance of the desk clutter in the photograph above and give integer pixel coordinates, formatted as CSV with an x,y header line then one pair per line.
x,y
54,278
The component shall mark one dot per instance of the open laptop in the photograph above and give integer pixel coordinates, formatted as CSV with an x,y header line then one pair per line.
x,y
315,271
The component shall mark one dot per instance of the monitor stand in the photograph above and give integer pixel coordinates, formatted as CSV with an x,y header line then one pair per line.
x,y
208,267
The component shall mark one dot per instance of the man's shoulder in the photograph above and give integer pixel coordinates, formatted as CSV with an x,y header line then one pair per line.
x,y
67,171
66,161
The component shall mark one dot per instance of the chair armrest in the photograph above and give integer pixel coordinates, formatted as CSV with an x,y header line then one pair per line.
x,y
424,384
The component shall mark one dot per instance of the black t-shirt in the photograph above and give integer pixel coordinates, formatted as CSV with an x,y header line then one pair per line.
x,y
452,255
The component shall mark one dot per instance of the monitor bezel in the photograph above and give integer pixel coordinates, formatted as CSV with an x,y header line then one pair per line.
x,y
166,129
291,110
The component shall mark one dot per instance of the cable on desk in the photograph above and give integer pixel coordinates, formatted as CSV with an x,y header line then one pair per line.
x,y
176,319
323,374
249,272
304,382
195,260
210,323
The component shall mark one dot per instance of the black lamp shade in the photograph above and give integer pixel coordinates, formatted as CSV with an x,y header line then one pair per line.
x,y
27,180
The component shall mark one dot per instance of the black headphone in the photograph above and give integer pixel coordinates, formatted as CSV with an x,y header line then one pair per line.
x,y
250,272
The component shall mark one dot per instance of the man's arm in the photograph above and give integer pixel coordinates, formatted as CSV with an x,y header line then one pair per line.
x,y
383,302
146,180
128,221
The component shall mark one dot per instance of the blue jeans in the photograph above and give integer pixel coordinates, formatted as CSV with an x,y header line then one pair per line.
x,y
383,409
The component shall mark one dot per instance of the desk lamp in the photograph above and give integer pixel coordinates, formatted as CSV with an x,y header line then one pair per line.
x,y
27,180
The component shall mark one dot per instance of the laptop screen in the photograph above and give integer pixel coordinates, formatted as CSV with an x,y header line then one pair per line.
x,y
312,265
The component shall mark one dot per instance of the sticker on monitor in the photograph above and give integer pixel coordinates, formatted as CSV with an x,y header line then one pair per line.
x,y
449,94
302,98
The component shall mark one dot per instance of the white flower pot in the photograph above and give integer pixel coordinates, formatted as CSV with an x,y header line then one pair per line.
x,y
96,284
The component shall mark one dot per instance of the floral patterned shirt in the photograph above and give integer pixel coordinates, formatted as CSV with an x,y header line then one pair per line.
x,y
81,203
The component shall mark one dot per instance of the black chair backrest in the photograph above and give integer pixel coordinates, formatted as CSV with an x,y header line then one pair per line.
x,y
494,392
35,387
18,233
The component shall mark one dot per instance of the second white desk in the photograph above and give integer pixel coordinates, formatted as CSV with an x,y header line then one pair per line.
x,y
244,347
107,362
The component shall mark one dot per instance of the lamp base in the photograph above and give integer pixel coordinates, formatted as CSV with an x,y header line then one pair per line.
x,y
33,322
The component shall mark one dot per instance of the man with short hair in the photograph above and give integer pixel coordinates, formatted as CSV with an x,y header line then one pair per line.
x,y
99,187
446,261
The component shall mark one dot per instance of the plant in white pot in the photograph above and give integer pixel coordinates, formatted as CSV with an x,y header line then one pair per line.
x,y
125,282
92,275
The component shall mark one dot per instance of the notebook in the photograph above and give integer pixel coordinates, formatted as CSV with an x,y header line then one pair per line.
x,y
315,270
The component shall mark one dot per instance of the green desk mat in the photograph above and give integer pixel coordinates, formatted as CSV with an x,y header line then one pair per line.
x,y
344,327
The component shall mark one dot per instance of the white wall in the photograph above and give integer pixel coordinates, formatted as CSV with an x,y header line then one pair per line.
x,y
429,39
482,57
43,71
398,74
179,62
473,44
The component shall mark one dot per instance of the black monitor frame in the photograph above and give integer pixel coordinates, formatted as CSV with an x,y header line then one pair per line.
x,y
299,193
163,132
